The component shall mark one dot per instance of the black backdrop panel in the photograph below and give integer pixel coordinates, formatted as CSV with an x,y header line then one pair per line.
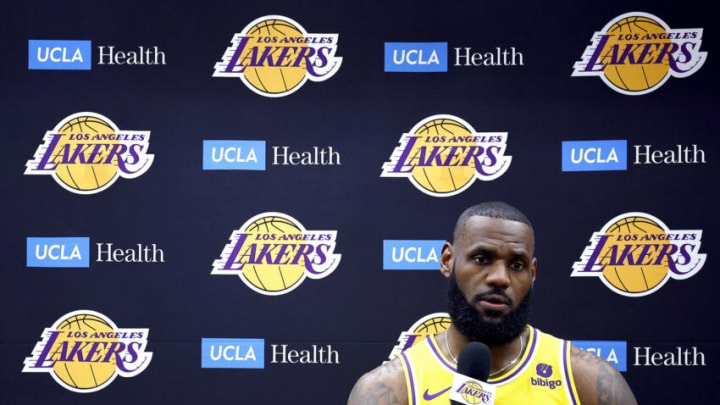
x,y
186,215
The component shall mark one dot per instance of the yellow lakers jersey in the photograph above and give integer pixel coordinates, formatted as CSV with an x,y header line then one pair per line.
x,y
543,375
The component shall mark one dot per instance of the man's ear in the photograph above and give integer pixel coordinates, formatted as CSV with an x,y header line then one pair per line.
x,y
446,259
534,270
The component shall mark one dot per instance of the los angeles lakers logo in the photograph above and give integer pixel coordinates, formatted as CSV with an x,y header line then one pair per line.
x,y
274,56
472,392
427,325
637,52
273,253
635,254
86,153
84,351
442,156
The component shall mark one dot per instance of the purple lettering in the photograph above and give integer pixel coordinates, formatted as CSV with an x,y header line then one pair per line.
x,y
43,357
234,60
233,256
402,159
55,138
593,61
594,257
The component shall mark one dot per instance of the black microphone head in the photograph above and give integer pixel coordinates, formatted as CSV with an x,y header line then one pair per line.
x,y
474,361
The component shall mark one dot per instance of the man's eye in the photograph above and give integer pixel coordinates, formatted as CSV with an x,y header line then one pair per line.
x,y
481,259
517,266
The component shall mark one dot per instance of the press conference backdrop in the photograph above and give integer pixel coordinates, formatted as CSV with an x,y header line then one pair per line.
x,y
244,202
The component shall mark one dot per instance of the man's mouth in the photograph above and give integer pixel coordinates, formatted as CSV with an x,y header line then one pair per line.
x,y
494,302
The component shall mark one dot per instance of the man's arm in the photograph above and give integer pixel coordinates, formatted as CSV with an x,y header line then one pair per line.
x,y
598,382
384,385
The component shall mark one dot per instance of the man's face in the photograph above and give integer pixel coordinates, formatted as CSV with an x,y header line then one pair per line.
x,y
491,270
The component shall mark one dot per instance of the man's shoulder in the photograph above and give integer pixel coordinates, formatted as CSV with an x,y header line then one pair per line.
x,y
596,379
384,384
389,369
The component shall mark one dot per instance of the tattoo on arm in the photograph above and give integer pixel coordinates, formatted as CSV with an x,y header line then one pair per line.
x,y
378,387
611,389
610,386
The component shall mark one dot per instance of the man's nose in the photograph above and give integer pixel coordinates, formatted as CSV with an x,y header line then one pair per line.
x,y
498,275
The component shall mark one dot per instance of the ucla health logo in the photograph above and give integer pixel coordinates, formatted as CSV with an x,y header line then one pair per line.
x,y
73,252
84,351
412,254
86,153
274,56
442,156
233,155
233,353
273,253
580,156
613,351
77,55
59,54
416,57
636,53
250,354
251,155
635,254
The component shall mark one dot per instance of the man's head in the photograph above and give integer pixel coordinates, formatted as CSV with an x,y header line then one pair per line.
x,y
490,209
491,269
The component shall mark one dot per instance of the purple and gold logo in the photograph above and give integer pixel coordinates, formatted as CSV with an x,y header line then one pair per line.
x,y
84,351
86,153
274,56
635,254
442,156
273,254
427,325
636,53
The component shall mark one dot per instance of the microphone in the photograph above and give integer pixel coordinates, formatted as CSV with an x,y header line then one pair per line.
x,y
473,368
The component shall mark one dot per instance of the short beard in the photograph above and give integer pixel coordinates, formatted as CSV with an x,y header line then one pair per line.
x,y
470,323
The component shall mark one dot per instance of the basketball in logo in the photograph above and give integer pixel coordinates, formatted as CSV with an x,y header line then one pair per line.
x,y
274,278
88,170
442,156
432,174
636,53
274,56
635,254
472,392
83,351
275,79
85,153
432,324
84,375
273,253
639,277
628,33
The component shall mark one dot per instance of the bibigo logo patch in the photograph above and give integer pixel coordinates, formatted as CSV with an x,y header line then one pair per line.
x,y
442,156
636,53
273,253
635,254
274,56
86,153
84,351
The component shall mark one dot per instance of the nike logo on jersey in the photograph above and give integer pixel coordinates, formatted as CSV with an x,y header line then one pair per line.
x,y
429,397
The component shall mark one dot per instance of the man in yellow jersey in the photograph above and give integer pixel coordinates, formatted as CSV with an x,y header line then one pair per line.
x,y
491,270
